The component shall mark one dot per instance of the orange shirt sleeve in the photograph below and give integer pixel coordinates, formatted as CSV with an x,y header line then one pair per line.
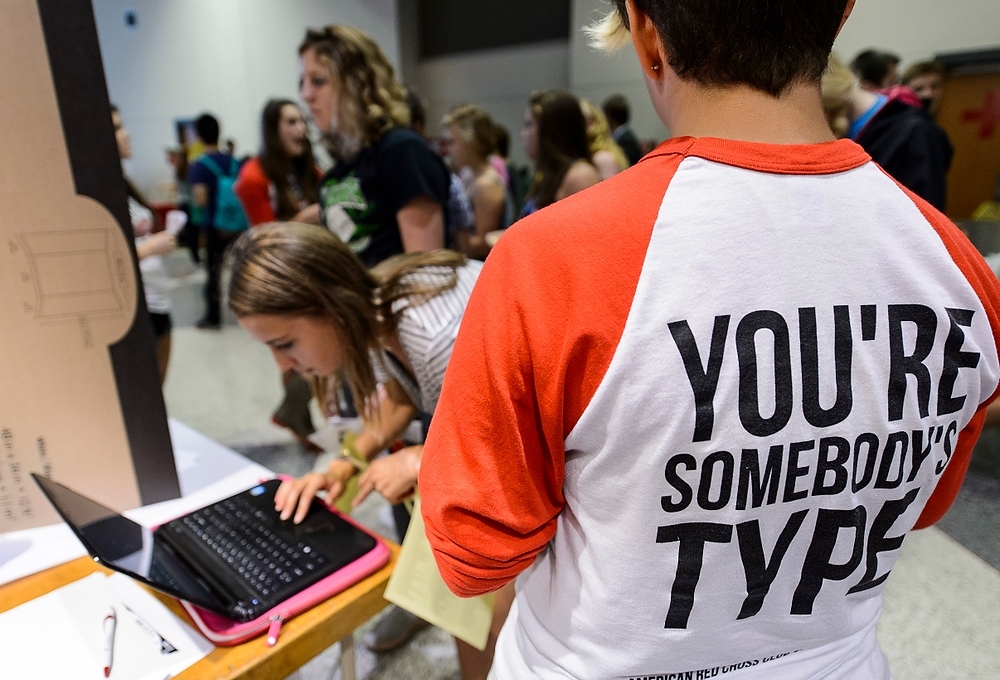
x,y
984,282
253,189
536,340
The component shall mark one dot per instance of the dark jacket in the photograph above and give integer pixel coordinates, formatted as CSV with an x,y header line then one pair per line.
x,y
911,147
627,140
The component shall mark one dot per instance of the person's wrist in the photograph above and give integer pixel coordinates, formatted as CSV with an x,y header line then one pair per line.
x,y
413,460
350,454
339,470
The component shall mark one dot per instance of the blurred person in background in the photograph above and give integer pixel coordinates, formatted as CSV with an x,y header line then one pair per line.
x,y
458,212
555,138
387,191
618,113
876,69
209,176
926,79
608,157
190,235
386,194
893,128
282,183
500,158
149,248
472,143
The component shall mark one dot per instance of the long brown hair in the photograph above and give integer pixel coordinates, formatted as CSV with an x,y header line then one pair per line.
x,y
562,141
281,169
290,269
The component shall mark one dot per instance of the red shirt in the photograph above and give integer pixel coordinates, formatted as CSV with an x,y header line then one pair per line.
x,y
257,193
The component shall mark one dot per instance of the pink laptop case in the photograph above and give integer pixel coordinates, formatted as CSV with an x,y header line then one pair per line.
x,y
226,632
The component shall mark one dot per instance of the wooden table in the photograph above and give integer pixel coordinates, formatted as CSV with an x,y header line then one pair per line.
x,y
302,638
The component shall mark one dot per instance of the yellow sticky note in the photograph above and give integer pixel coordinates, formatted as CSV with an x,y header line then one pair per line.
x,y
417,586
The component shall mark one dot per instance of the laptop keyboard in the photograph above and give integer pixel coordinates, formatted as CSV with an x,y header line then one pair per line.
x,y
239,534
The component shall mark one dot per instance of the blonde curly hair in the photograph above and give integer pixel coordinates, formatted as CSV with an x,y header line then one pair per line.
x,y
838,85
373,101
599,133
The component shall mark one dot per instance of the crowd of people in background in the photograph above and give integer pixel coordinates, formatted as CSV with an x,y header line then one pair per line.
x,y
393,231
570,143
892,118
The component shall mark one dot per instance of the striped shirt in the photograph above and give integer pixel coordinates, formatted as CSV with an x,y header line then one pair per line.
x,y
427,332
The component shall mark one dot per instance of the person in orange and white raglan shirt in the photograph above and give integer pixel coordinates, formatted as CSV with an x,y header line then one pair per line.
x,y
694,409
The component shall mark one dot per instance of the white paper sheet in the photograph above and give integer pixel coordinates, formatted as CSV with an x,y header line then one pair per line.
x,y
61,634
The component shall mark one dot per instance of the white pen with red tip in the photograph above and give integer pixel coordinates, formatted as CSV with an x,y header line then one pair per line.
x,y
110,624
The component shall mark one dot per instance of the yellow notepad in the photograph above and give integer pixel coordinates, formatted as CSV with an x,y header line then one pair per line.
x,y
417,586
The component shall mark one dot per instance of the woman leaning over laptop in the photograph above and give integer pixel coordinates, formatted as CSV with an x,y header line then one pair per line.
x,y
301,291
386,332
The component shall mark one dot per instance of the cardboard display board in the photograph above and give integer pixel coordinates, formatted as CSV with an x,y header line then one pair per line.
x,y
80,399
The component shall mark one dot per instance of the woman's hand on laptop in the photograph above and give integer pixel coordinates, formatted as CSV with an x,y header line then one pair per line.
x,y
296,495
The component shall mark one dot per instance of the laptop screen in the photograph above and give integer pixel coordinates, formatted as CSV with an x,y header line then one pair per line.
x,y
128,547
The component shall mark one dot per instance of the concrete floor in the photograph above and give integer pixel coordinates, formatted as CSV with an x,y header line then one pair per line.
x,y
942,609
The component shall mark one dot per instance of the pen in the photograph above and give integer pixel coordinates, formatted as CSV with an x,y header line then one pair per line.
x,y
110,623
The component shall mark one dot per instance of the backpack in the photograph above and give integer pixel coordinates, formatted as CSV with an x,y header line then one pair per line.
x,y
229,215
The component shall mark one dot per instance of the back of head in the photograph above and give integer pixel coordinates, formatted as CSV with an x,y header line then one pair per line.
x,y
766,45
374,99
476,126
872,67
207,127
418,112
616,109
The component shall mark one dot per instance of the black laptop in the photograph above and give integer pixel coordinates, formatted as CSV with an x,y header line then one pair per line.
x,y
235,557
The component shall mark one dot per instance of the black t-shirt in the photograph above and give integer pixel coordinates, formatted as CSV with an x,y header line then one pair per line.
x,y
360,199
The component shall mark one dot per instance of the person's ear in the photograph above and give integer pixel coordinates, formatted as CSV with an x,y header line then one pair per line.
x,y
646,41
847,13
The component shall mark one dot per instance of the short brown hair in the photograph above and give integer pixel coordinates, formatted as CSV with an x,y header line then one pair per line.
x,y
377,100
765,45
922,68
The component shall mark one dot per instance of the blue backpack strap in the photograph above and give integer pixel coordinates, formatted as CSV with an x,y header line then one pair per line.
x,y
212,166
